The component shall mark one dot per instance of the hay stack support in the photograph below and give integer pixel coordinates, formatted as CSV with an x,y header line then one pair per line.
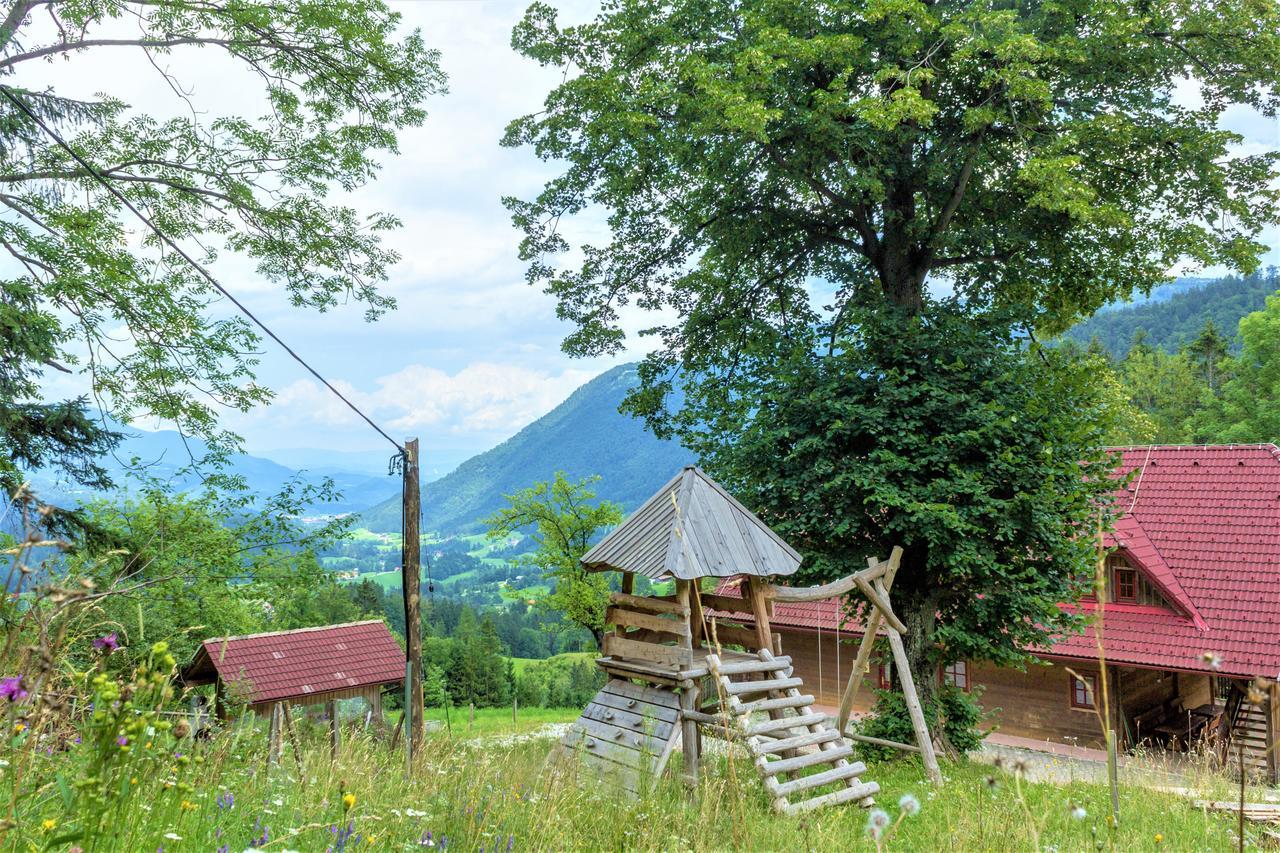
x,y
673,675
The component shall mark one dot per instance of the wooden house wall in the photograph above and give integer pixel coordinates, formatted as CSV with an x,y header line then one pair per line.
x,y
825,664
1034,704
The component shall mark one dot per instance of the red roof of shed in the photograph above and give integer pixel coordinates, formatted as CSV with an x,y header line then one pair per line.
x,y
298,664
1203,522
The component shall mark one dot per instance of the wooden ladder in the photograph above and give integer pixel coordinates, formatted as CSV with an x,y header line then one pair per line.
x,y
774,744
1249,728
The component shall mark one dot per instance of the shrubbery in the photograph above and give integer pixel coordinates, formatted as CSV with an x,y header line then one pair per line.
x,y
959,712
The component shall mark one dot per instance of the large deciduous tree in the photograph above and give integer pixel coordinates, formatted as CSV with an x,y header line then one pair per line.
x,y
784,180
326,85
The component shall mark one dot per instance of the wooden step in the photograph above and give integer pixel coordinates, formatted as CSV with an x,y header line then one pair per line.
x,y
809,759
789,743
740,687
784,723
817,780
746,666
846,795
777,704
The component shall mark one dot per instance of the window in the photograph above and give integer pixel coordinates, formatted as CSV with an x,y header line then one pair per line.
x,y
1083,692
884,676
1126,585
957,673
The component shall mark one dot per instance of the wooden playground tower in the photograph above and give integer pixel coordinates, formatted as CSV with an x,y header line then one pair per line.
x,y
674,677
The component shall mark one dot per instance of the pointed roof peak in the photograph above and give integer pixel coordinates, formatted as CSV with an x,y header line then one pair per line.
x,y
693,528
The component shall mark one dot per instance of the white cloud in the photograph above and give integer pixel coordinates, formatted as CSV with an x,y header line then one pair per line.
x,y
485,401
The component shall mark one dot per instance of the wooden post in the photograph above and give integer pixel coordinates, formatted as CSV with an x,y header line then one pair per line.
x,y
273,735
293,740
913,707
628,587
335,731
405,718
684,597
411,580
375,709
760,608
697,621
689,731
1273,765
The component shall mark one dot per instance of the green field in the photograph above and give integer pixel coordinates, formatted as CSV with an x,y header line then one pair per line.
x,y
521,664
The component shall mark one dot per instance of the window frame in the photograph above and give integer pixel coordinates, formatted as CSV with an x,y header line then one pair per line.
x,y
947,670
1090,691
1131,576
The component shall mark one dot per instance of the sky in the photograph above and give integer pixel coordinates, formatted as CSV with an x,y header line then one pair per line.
x,y
472,353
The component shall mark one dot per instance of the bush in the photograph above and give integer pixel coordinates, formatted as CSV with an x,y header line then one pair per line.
x,y
959,711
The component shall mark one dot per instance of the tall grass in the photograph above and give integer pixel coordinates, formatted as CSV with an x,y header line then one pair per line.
x,y
497,792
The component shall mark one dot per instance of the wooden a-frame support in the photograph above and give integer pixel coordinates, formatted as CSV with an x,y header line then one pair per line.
x,y
874,583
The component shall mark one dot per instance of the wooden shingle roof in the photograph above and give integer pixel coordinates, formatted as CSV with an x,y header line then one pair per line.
x,y
693,528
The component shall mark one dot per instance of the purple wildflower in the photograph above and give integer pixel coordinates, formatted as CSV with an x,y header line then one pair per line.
x,y
107,643
227,800
122,741
11,688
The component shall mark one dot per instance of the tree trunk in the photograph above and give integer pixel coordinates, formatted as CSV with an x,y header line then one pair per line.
x,y
598,633
919,645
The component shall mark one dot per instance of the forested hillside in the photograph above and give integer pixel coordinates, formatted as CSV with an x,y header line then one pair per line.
x,y
584,435
1172,323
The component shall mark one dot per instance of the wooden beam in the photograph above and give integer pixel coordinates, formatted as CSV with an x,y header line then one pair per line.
x,y
881,603
635,619
648,603
860,666
727,603
837,588
621,647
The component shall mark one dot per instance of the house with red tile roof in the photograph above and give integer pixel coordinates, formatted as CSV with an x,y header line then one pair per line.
x,y
1191,617
307,666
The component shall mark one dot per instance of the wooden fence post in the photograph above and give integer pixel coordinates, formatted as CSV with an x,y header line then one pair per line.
x,y
335,731
274,734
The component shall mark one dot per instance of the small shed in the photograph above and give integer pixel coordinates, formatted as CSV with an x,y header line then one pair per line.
x,y
307,666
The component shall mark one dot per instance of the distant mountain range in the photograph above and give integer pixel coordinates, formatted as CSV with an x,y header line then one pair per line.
x,y
1174,313
586,434
162,454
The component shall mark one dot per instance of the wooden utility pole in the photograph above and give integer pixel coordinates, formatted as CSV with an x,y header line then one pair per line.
x,y
411,580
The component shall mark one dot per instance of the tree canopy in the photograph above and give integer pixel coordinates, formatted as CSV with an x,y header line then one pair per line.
x,y
89,290
1042,155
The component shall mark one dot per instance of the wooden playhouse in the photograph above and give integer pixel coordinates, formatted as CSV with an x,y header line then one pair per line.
x,y
680,667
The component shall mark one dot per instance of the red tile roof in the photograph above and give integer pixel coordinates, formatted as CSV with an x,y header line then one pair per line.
x,y
298,664
1203,522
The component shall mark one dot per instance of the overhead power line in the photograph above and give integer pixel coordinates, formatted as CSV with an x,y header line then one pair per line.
x,y
164,238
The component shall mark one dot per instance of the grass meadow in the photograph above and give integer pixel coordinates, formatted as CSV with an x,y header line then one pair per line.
x,y
492,789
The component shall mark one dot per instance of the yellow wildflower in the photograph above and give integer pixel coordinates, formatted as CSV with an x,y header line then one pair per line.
x,y
49,823
348,800
187,806
19,728
1159,837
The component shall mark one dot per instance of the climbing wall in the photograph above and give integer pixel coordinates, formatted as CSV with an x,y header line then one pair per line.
x,y
626,734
